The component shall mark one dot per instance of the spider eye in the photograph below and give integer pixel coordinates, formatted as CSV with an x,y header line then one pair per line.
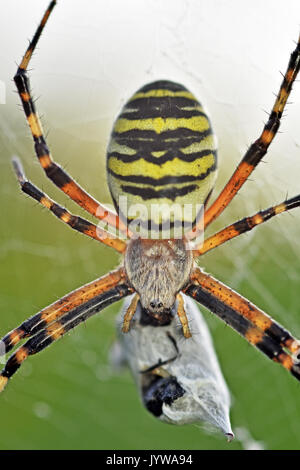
x,y
156,304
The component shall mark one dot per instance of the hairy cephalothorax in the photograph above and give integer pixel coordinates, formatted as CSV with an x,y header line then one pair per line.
x,y
158,270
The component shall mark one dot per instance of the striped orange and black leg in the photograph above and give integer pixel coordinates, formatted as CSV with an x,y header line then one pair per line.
x,y
56,330
61,307
52,169
259,148
252,323
75,222
244,225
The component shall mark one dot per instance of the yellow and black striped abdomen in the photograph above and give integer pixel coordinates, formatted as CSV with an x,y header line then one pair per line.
x,y
162,152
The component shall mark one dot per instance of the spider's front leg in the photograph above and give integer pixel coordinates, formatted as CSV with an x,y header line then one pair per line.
x,y
252,323
54,321
75,222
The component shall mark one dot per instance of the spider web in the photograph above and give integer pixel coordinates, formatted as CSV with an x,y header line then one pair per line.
x,y
88,63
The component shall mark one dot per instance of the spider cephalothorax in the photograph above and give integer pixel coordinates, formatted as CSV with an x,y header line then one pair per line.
x,y
158,270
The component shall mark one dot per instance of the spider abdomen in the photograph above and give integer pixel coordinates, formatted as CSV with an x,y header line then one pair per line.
x,y
162,155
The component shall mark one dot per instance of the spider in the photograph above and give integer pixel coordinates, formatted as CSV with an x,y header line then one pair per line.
x,y
162,149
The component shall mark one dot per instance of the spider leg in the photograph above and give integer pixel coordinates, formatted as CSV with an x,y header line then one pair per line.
x,y
56,330
182,317
252,323
259,148
54,172
130,313
75,222
61,307
244,225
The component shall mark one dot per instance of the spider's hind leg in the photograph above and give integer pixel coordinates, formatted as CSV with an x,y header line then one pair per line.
x,y
245,225
54,172
260,147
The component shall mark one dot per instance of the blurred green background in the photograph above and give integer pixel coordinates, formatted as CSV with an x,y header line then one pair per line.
x,y
67,397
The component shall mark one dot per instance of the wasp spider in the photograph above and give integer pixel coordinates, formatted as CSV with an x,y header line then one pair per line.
x,y
162,150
